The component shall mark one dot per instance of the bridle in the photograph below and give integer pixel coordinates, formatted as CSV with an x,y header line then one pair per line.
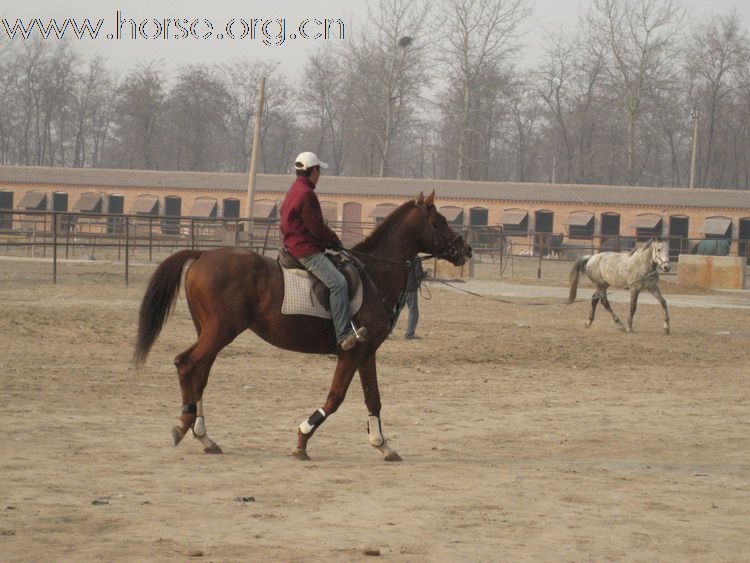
x,y
656,259
450,252
450,249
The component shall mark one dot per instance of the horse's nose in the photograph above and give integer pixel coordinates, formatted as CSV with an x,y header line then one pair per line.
x,y
665,266
468,250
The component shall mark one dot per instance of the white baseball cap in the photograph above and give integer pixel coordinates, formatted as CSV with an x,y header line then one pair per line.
x,y
307,160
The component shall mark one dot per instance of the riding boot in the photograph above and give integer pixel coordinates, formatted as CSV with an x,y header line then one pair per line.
x,y
351,339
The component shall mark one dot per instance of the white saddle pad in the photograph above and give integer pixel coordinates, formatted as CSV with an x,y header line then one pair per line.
x,y
299,298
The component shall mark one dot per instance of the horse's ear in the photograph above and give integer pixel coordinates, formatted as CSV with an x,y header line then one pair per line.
x,y
420,199
430,199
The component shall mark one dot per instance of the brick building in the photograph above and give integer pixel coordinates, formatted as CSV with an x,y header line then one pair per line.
x,y
580,212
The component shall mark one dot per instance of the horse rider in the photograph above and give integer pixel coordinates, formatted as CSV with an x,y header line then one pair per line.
x,y
306,236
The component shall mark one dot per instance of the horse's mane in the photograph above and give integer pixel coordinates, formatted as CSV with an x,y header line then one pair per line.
x,y
647,245
381,231
637,248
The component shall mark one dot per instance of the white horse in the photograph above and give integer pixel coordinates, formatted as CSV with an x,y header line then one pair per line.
x,y
636,271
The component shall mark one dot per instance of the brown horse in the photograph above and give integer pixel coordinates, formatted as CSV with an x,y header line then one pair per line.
x,y
230,290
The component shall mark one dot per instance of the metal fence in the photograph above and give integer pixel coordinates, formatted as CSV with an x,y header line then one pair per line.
x,y
128,239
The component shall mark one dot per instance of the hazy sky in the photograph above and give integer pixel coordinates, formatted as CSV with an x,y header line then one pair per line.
x,y
124,53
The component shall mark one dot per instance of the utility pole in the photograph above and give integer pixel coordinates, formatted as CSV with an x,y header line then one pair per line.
x,y
249,205
554,169
694,115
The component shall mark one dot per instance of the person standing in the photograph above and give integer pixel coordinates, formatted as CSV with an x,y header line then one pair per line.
x,y
306,236
411,299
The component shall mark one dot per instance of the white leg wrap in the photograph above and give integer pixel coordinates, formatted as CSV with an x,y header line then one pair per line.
x,y
315,419
375,431
199,428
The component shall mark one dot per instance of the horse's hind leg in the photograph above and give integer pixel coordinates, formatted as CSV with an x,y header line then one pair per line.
x,y
199,427
193,367
189,408
369,379
660,298
608,307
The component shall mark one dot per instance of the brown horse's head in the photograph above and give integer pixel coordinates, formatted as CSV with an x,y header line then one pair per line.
x,y
438,237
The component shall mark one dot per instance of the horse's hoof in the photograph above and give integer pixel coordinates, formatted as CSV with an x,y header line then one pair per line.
x,y
392,456
213,449
666,330
300,454
177,435
587,324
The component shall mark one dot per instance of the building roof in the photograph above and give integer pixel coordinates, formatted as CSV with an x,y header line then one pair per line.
x,y
89,202
146,204
35,200
513,216
717,226
581,194
579,219
647,221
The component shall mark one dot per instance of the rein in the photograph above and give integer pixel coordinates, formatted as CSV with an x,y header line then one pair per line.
x,y
450,251
405,263
400,300
498,299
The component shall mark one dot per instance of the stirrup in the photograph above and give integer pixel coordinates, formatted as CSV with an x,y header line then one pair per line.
x,y
360,333
353,339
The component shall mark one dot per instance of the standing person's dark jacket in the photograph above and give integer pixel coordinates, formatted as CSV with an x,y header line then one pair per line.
x,y
416,275
302,223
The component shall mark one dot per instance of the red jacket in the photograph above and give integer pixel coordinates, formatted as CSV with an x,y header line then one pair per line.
x,y
302,224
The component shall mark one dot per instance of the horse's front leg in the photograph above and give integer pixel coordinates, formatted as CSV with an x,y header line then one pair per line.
x,y
342,377
369,378
633,306
654,290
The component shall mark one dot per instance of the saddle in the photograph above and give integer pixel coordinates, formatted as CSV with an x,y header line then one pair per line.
x,y
319,289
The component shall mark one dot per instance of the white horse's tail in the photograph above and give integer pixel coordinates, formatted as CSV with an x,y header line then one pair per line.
x,y
575,273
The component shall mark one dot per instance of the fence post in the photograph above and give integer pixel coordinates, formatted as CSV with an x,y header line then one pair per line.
x,y
127,249
54,248
44,230
541,253
150,238
67,238
265,239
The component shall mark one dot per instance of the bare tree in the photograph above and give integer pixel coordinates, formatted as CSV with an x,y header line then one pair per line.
x,y
639,35
241,80
139,107
278,132
389,72
524,105
10,112
717,50
197,108
89,101
328,102
481,36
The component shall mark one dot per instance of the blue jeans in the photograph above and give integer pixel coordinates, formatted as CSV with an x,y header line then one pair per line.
x,y
323,269
412,301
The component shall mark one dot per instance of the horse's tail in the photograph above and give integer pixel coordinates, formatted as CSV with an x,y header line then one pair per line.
x,y
159,301
575,273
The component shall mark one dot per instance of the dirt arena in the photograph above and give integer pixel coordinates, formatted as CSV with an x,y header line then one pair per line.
x,y
525,436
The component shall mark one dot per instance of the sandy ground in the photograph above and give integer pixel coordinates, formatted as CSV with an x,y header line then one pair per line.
x,y
525,436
